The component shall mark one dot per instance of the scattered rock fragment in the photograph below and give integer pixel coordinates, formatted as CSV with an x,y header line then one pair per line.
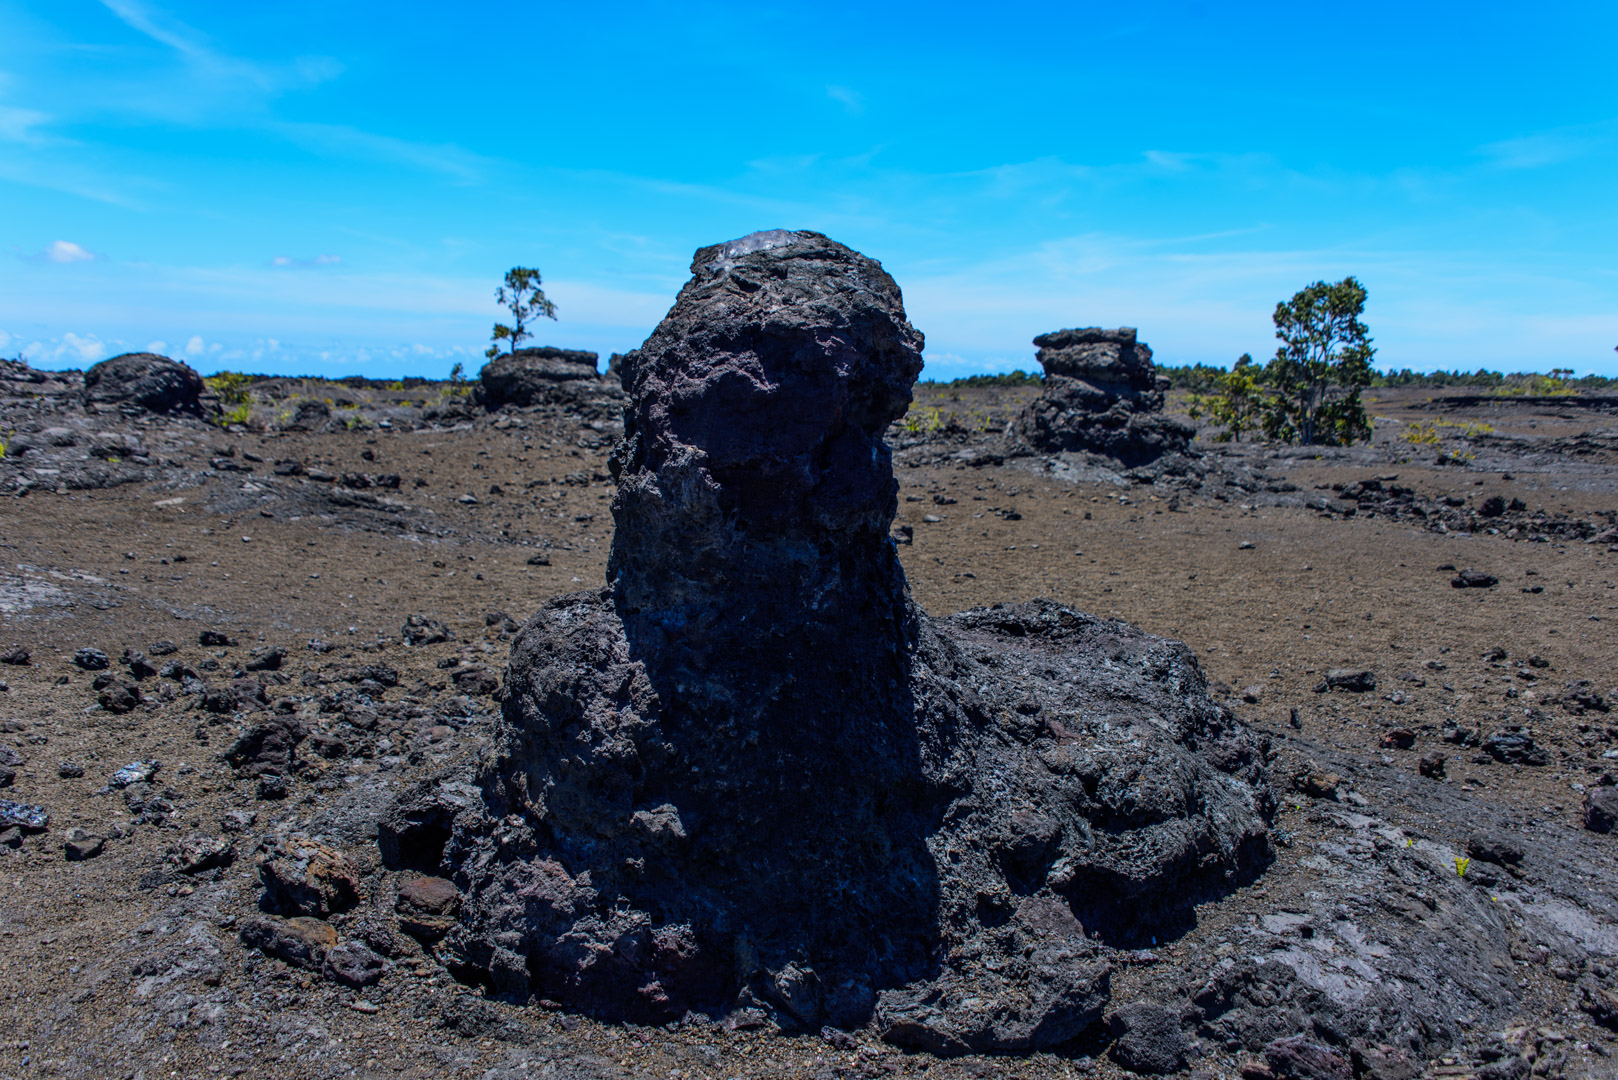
x,y
1316,782
17,656
300,941
421,630
266,658
268,747
1348,680
91,659
79,845
1513,745
1432,765
354,965
305,877
1601,809
1474,579
24,816
1495,847
427,906
1147,1038
199,852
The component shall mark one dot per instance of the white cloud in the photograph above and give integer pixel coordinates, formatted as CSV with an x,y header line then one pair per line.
x,y
69,349
201,55
194,347
852,100
66,251
1546,148
5,339
15,122
159,347
287,261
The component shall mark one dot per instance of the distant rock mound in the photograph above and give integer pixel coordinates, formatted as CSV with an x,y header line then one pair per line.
x,y
146,381
537,376
1100,395
751,774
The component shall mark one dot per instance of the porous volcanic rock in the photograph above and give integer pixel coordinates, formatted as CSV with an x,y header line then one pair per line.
x,y
1100,395
144,380
751,772
537,376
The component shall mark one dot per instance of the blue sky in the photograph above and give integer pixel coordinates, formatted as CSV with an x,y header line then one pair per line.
x,y
337,187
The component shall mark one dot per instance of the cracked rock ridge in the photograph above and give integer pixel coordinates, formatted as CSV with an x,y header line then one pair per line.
x,y
1100,395
751,773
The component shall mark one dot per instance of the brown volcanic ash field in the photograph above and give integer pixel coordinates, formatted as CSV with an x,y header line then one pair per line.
x,y
132,961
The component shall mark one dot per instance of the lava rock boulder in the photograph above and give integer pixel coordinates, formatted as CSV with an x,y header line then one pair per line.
x,y
144,381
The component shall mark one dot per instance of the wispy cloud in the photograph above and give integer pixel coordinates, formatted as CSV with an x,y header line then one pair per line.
x,y
199,52
1555,147
852,100
288,262
16,124
341,140
61,251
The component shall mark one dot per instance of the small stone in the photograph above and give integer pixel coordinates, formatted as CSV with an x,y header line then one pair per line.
x,y
300,941
1148,1038
539,560
1496,848
136,772
1432,765
237,820
163,648
354,965
1474,579
421,630
138,665
16,655
427,906
1253,694
273,786
11,837
305,877
1299,1058
1317,783
24,816
79,845
199,852
214,639
1514,746
1349,680
1601,809
1399,739
1246,545
91,659
267,658
119,698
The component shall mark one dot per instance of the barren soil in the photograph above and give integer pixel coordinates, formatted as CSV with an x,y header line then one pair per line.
x,y
125,964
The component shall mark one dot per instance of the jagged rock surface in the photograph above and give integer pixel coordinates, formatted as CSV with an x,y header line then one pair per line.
x,y
541,376
1100,395
144,381
752,773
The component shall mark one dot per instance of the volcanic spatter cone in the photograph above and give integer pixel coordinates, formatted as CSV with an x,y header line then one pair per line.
x,y
751,773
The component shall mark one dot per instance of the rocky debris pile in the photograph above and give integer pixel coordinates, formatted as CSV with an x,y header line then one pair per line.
x,y
144,381
1381,496
752,778
1101,395
546,376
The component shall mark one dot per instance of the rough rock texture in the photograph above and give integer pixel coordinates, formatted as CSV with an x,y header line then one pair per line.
x,y
752,773
143,380
1100,395
538,376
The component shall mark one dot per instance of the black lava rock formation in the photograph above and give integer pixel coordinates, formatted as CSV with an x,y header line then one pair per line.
x,y
143,381
540,376
1100,395
752,774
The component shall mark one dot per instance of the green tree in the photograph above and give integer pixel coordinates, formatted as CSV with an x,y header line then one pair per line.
x,y
523,297
1237,400
1322,365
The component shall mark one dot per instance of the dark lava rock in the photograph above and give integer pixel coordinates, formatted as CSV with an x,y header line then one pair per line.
x,y
306,877
79,845
301,942
1349,680
91,659
268,658
144,380
119,697
922,821
420,630
136,662
427,906
533,376
1300,1058
354,965
1601,809
16,655
1495,847
1514,746
8,776
1432,765
1101,395
1474,579
24,816
270,747
1148,1038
